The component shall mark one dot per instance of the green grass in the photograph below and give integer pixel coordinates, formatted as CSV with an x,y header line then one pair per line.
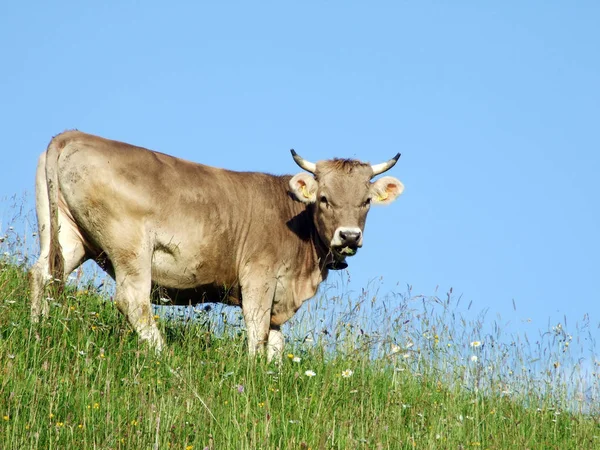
x,y
80,379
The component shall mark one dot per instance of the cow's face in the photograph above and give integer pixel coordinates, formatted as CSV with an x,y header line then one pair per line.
x,y
342,193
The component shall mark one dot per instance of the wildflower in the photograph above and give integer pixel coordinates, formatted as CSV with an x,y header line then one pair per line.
x,y
347,373
189,447
96,405
50,415
309,373
60,424
81,352
406,355
474,358
156,316
6,418
240,388
296,359
290,355
134,423
80,426
261,404
11,356
476,344
395,349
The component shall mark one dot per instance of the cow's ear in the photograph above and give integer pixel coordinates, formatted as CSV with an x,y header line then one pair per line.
x,y
386,190
304,187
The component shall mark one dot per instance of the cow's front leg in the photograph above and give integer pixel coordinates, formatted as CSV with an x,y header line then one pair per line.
x,y
275,344
257,300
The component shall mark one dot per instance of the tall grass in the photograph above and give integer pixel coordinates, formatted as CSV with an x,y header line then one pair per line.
x,y
362,370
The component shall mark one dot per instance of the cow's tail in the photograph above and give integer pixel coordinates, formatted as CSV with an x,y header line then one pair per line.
x,y
56,260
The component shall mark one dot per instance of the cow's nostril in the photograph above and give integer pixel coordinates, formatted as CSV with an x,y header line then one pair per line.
x,y
349,237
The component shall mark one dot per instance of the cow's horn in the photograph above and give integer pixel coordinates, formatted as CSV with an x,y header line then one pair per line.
x,y
306,165
380,168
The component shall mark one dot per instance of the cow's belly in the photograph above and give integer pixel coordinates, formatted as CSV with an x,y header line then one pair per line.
x,y
179,271
193,296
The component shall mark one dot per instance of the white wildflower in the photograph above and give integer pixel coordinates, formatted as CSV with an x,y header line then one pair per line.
x,y
347,373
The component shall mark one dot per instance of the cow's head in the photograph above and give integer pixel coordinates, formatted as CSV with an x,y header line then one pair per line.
x,y
342,193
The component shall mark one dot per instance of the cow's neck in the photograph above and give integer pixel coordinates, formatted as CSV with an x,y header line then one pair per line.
x,y
327,259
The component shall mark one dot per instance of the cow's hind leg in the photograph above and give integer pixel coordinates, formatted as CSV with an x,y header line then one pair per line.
x,y
70,247
39,276
132,297
73,254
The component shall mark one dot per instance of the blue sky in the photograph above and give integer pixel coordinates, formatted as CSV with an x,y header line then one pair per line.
x,y
494,105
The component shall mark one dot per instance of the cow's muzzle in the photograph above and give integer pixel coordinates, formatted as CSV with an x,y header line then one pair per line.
x,y
346,241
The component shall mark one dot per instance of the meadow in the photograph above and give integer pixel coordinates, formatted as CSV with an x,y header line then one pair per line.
x,y
362,370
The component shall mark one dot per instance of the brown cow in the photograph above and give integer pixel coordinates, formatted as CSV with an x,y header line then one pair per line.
x,y
202,234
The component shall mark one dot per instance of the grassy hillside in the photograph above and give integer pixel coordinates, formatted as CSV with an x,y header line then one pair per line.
x,y
80,380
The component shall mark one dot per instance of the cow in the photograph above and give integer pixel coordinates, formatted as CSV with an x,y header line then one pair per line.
x,y
198,233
